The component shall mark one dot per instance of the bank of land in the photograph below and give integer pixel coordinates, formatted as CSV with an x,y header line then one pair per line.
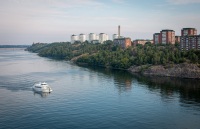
x,y
149,59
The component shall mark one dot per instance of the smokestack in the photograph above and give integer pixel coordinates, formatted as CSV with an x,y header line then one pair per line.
x,y
119,31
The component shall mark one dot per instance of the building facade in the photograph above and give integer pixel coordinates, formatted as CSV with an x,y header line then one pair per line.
x,y
177,39
164,37
103,37
156,38
82,38
141,41
167,37
188,31
115,36
123,42
92,37
74,38
190,42
189,39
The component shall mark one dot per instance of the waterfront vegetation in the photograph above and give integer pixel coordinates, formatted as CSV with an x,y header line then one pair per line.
x,y
109,55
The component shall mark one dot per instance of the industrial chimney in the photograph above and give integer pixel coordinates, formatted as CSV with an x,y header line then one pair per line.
x,y
119,31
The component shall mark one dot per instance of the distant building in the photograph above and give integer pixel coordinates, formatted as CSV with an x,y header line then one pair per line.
x,y
156,38
74,38
167,36
115,36
189,39
82,38
123,42
92,37
95,41
103,37
164,37
188,31
141,41
190,42
177,39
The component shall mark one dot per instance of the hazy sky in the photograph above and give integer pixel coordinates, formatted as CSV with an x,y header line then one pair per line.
x,y
28,21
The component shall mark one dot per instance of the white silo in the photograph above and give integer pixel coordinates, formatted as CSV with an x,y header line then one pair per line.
x,y
92,37
82,38
74,38
115,36
103,37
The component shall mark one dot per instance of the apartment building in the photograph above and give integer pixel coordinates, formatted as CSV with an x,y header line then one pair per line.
x,y
164,37
123,42
189,39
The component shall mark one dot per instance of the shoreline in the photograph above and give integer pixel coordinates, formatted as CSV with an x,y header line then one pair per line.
x,y
184,70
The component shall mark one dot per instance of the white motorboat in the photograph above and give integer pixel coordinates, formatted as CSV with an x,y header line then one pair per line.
x,y
42,87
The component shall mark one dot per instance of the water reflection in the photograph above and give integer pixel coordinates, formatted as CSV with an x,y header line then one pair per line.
x,y
122,79
188,90
41,94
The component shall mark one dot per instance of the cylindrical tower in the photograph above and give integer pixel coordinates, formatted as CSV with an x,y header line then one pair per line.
x,y
92,37
82,38
74,38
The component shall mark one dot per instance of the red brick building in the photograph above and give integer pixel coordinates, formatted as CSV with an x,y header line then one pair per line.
x,y
177,39
164,37
189,39
123,42
188,31
190,42
156,38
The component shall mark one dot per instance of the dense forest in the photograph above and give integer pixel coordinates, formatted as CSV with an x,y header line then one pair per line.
x,y
109,55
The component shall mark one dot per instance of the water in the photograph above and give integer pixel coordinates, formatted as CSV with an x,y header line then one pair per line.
x,y
91,98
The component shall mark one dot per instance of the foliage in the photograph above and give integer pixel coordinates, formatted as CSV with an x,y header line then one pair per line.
x,y
109,55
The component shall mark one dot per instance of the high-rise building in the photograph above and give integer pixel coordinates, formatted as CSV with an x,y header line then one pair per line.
x,y
164,37
167,36
177,39
188,31
92,37
103,37
82,38
189,39
74,38
190,42
156,38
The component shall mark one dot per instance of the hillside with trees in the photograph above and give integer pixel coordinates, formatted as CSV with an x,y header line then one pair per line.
x,y
111,56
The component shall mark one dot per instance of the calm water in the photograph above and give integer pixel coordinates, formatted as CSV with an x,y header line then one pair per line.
x,y
91,98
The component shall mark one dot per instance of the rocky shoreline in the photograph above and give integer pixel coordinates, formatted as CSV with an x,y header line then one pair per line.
x,y
183,70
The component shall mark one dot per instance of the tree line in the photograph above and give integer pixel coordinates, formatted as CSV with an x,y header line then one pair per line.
x,y
109,55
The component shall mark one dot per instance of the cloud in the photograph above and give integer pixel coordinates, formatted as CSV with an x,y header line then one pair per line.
x,y
178,2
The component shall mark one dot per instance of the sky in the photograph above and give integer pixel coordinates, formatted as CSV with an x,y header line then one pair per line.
x,y
46,21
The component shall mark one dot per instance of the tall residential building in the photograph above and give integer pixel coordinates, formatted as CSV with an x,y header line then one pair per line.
x,y
190,42
164,37
103,37
156,38
74,38
82,38
177,39
123,42
188,31
189,39
92,37
167,36
115,36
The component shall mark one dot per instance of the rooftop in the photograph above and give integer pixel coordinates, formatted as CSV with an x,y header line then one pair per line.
x,y
167,30
188,28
